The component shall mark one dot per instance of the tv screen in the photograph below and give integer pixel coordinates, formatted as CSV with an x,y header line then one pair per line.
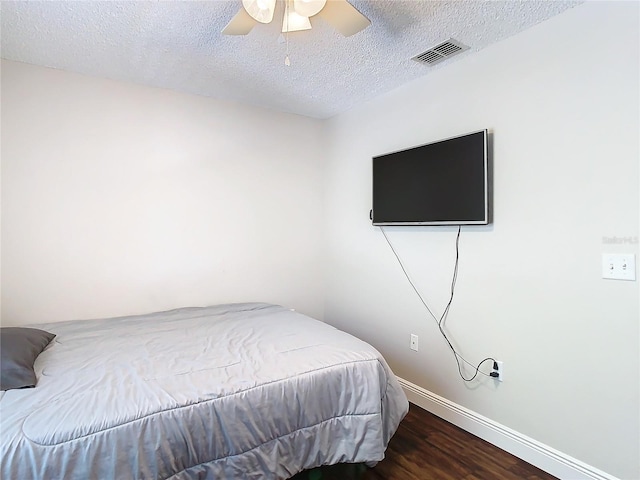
x,y
441,183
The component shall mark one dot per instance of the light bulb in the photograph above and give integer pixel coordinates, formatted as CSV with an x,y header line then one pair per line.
x,y
308,8
292,22
260,10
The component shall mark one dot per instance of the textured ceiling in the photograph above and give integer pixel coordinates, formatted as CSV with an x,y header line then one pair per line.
x,y
178,45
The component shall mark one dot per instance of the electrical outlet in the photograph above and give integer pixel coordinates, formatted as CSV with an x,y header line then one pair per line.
x,y
499,371
414,342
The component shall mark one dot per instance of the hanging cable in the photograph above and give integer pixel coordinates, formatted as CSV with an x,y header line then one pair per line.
x,y
287,62
440,321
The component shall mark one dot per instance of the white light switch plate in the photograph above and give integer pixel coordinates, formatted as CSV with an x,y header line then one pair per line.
x,y
619,266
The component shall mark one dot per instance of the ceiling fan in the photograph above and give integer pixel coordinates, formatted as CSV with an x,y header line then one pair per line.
x,y
339,13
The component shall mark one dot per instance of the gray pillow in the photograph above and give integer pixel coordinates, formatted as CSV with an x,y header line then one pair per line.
x,y
19,348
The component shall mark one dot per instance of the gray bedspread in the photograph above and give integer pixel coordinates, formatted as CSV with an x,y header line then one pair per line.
x,y
230,391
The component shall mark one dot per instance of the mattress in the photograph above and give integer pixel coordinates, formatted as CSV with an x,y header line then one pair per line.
x,y
229,391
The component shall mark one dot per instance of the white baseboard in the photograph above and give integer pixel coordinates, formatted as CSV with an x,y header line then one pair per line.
x,y
531,451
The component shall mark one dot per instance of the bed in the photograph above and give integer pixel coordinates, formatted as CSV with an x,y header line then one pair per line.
x,y
232,391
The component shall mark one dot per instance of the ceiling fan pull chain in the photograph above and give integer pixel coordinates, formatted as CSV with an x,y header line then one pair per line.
x,y
287,62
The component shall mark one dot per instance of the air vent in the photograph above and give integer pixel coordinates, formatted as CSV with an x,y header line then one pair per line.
x,y
441,52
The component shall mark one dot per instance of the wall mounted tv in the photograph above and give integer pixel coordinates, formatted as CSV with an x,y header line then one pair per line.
x,y
441,183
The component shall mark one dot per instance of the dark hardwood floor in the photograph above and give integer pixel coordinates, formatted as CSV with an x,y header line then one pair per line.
x,y
425,447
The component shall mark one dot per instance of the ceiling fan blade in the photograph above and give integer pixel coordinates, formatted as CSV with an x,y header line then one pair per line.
x,y
241,24
344,17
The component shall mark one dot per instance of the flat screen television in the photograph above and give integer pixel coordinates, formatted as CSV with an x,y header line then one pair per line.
x,y
440,183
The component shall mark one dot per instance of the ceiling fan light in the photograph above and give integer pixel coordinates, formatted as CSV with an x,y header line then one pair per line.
x,y
292,22
260,10
308,8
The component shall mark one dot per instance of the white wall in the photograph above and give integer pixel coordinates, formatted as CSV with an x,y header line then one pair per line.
x,y
562,103
120,199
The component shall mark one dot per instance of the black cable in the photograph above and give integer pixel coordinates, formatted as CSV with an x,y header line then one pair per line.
x,y
445,313
453,281
407,275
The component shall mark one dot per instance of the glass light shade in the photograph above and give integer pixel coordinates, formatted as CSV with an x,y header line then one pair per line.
x,y
260,10
292,22
308,8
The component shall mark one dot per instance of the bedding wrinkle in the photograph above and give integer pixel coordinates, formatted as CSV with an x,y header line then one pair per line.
x,y
120,403
311,433
232,391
